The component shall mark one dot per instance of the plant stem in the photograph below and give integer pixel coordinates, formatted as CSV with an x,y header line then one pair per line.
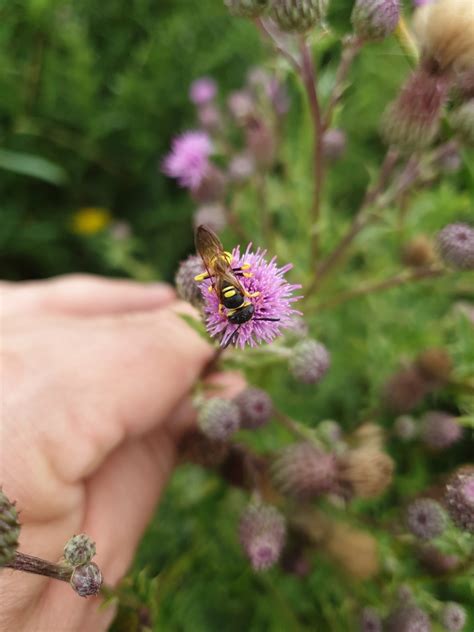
x,y
401,278
267,33
360,221
406,41
308,77
30,564
351,47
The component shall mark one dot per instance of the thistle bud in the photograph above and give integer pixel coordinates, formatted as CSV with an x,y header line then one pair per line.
x,y
445,31
412,121
370,621
440,430
212,215
87,580
453,617
456,246
355,550
202,91
460,500
255,406
241,167
405,390
79,550
334,144
298,15
218,418
435,365
330,432
262,534
209,117
246,8
418,252
367,471
9,529
437,562
241,104
408,619
375,19
426,518
302,471
405,428
199,449
309,361
186,285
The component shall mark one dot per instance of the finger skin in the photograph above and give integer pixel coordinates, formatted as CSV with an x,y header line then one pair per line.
x,y
86,296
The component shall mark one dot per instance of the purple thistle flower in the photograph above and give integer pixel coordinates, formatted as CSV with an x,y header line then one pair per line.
x,y
408,619
262,534
202,91
273,301
460,500
188,160
256,407
456,246
453,617
426,518
440,430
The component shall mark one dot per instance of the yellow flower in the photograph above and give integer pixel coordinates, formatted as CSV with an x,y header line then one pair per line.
x,y
90,220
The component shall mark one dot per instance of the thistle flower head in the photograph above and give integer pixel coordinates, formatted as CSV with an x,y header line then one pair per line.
x,y
408,619
269,293
298,15
453,617
302,471
334,144
405,428
456,246
445,31
375,19
437,562
460,500
426,518
440,430
218,418
367,471
186,286
212,215
241,104
413,119
405,389
246,8
188,160
202,90
309,361
87,580
436,365
255,407
9,529
370,620
79,549
418,252
262,534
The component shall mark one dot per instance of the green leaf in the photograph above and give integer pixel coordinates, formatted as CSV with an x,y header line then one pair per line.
x,y
33,166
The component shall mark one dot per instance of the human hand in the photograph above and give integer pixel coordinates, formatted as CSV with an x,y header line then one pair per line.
x,y
96,376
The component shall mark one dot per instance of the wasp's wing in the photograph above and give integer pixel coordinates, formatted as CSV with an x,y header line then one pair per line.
x,y
208,245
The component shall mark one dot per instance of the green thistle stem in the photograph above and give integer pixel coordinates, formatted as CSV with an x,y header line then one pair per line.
x,y
406,42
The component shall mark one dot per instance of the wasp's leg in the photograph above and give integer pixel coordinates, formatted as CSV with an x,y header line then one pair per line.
x,y
252,294
202,277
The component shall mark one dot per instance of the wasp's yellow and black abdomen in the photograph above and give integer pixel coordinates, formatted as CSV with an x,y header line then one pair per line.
x,y
232,298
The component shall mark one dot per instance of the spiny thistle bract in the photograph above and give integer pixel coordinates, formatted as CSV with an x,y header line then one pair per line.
x,y
460,500
453,617
309,361
218,418
246,8
426,519
298,15
86,580
262,534
303,471
186,285
9,529
375,19
274,300
78,550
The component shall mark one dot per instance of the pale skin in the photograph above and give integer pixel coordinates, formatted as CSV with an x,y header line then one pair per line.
x,y
96,381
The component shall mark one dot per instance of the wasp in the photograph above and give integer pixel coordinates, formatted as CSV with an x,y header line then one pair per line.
x,y
233,297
